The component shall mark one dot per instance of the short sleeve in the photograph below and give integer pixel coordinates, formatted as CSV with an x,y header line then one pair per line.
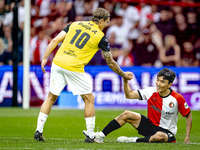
x,y
67,28
104,45
146,93
183,107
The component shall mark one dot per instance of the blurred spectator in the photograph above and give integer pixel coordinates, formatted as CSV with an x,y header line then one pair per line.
x,y
8,20
145,51
21,14
57,26
192,22
109,6
121,56
78,5
130,19
78,18
170,54
188,56
197,52
2,11
95,4
38,45
176,9
143,10
51,16
125,58
5,57
45,27
7,6
156,35
120,30
33,32
88,7
53,11
114,48
181,30
35,17
44,9
64,8
8,42
165,25
150,15
119,33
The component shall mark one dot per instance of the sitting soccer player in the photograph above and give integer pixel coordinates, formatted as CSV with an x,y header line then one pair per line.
x,y
163,106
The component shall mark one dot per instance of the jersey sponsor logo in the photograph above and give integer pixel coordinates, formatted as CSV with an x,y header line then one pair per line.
x,y
169,113
186,105
94,31
70,52
84,26
171,104
155,108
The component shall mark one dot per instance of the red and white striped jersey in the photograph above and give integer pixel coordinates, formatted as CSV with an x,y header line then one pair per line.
x,y
163,111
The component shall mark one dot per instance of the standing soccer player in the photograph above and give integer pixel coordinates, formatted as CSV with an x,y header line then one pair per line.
x,y
163,107
81,40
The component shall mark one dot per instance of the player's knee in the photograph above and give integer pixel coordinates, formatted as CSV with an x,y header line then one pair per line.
x,y
125,114
88,99
52,98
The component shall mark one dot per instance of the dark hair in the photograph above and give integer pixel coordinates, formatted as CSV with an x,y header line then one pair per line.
x,y
167,74
100,13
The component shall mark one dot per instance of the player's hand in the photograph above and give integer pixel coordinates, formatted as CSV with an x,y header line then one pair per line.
x,y
44,62
128,76
187,140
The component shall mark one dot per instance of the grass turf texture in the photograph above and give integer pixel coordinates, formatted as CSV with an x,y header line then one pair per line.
x,y
63,130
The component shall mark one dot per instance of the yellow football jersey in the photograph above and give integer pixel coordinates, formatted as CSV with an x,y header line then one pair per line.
x,y
82,41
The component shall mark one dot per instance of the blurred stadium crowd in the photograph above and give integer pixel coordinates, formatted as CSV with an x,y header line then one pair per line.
x,y
140,32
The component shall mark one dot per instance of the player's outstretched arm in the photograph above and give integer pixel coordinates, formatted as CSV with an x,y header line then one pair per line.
x,y
51,47
188,127
129,93
115,67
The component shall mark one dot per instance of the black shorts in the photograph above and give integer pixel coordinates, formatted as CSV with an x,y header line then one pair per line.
x,y
147,129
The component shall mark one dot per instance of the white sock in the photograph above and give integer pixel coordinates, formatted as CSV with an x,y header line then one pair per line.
x,y
102,134
41,121
135,139
90,124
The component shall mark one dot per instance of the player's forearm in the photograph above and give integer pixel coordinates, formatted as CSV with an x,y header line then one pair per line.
x,y
188,124
50,48
112,64
127,89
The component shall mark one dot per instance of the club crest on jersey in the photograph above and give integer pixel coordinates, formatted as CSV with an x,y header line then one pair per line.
x,y
186,105
171,104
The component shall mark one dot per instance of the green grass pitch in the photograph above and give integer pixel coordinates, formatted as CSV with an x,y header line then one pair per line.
x,y
63,130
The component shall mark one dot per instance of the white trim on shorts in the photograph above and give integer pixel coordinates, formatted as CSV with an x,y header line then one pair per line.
x,y
60,77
